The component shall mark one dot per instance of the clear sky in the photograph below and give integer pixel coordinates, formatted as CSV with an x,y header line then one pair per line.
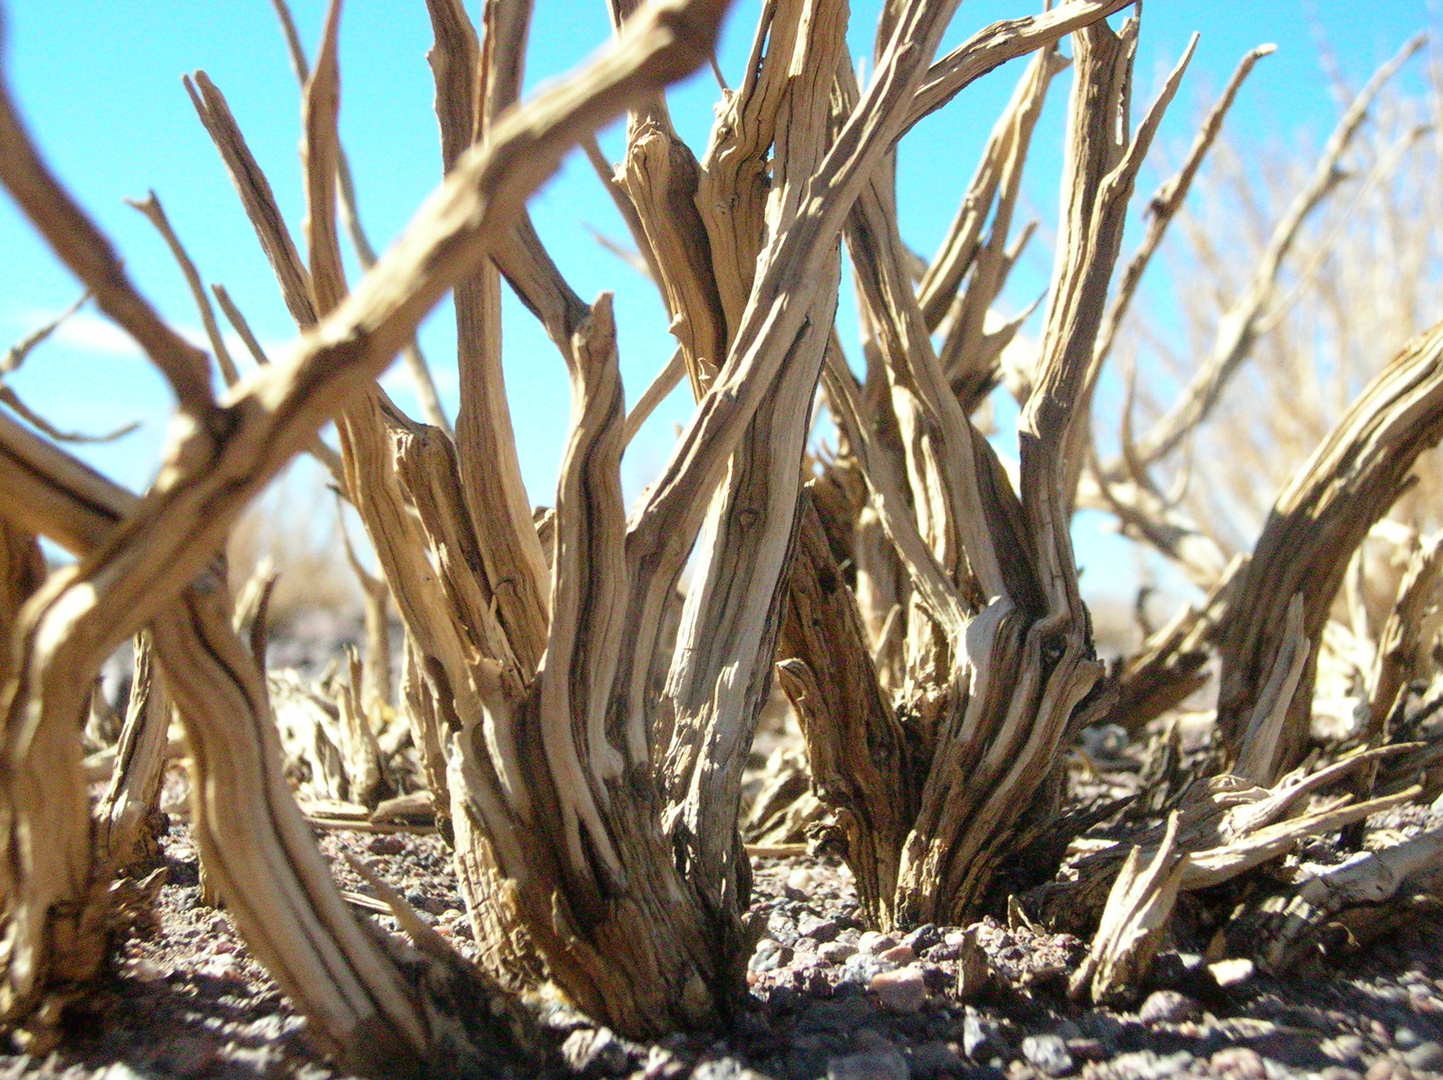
x,y
98,82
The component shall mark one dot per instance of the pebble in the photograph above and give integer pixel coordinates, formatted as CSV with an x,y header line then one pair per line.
x,y
923,938
1405,1038
144,969
874,944
898,954
224,968
1232,972
834,952
725,1069
1086,1049
769,955
979,1035
662,1064
900,991
595,1051
1238,1063
1426,1055
874,1065
803,960
1048,1053
799,884
1388,1069
386,844
861,968
818,929
1168,1007
1146,1065
119,1071
1345,1048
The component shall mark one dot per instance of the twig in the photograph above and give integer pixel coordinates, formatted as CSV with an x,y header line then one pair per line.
x,y
154,213
22,348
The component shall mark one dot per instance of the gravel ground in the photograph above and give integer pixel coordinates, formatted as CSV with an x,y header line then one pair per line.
x,y
827,999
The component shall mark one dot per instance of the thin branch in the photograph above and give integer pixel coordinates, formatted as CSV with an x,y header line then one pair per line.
x,y
1238,328
88,254
22,348
154,213
425,385
995,45
30,416
665,382
240,325
1166,202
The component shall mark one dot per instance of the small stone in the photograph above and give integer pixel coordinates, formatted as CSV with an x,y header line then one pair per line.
x,y
662,1064
874,1065
900,991
144,969
1426,1055
1388,1069
974,970
834,952
724,1069
1238,1063
224,968
1145,1065
119,1070
874,944
596,1052
1085,1049
1168,1007
898,954
219,924
1405,1038
861,968
386,844
923,938
1338,1072
769,955
1232,972
819,930
1345,1048
1048,1054
979,1035
799,884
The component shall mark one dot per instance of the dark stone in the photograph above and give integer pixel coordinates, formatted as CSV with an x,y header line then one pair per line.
x,y
873,1065
923,938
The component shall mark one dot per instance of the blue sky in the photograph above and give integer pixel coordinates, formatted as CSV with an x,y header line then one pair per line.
x,y
98,82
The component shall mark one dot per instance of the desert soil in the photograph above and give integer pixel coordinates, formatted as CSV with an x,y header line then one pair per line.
x,y
827,999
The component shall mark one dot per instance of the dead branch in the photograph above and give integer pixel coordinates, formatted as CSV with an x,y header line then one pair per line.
x,y
154,213
1237,330
16,354
1318,520
126,831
